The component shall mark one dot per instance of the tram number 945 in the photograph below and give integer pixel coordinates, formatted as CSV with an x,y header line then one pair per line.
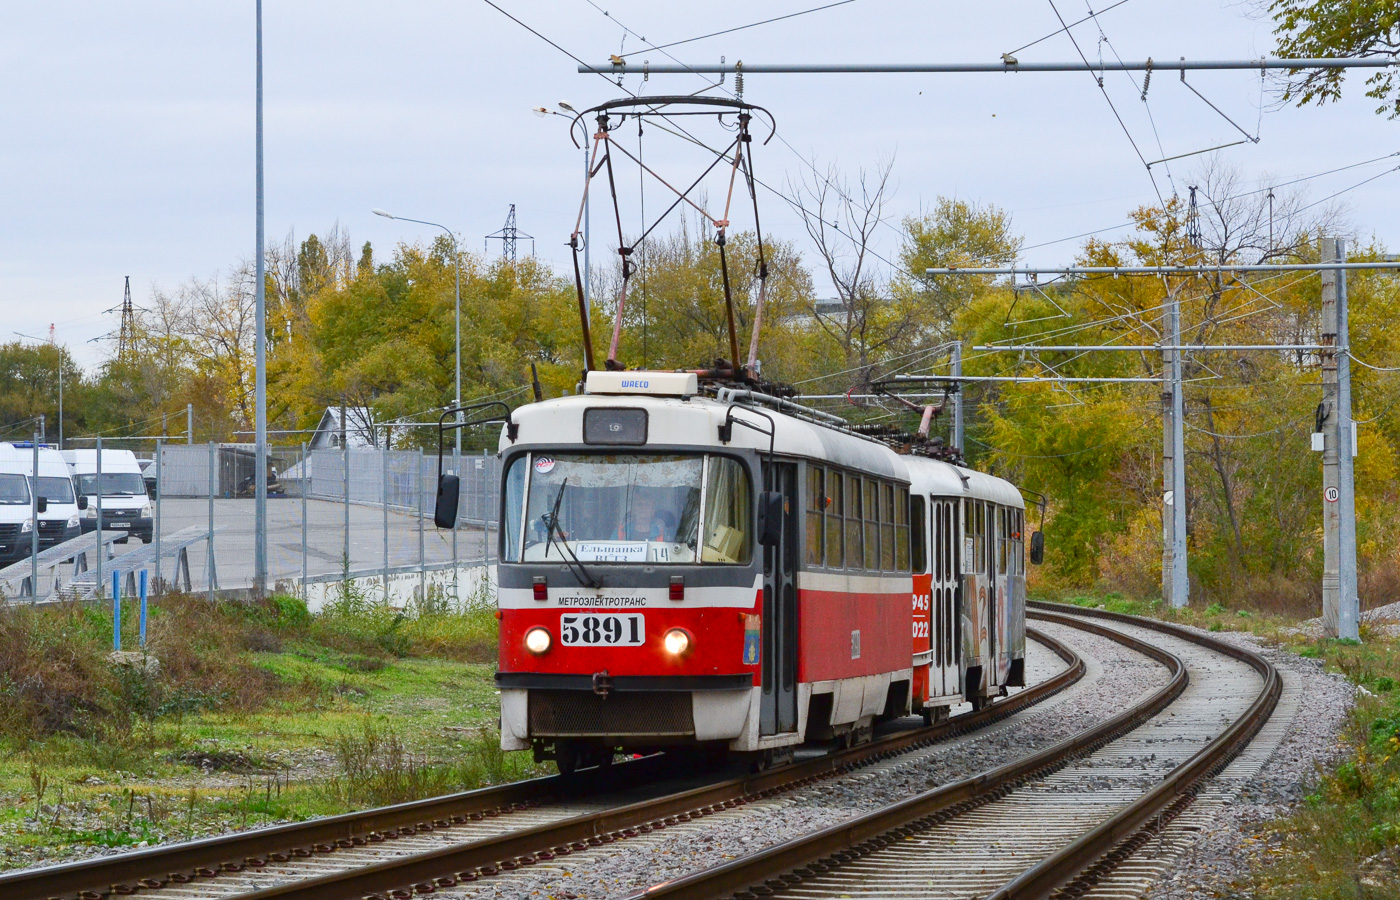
x,y
610,631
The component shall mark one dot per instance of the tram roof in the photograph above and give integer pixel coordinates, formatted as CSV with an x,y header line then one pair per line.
x,y
695,421
678,422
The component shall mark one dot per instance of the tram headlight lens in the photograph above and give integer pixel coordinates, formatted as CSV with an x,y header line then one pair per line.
x,y
537,640
676,641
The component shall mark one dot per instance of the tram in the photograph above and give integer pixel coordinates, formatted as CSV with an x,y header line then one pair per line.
x,y
727,570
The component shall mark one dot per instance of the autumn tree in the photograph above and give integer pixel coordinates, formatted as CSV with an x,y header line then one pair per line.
x,y
675,315
1317,29
953,233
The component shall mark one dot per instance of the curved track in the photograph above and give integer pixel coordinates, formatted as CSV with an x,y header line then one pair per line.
x,y
415,847
1052,824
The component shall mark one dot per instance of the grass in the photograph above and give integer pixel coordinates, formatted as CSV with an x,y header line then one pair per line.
x,y
258,713
1343,841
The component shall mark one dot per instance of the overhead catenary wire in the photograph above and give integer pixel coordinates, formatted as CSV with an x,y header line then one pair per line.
x,y
1182,65
1062,30
1121,124
736,28
1373,367
710,85
1146,82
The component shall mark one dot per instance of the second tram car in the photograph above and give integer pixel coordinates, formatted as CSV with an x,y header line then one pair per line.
x,y
716,572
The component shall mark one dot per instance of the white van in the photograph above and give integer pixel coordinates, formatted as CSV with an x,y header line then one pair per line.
x,y
16,514
125,506
54,483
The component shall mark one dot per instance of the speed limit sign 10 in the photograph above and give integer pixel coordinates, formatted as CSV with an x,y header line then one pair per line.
x,y
1330,495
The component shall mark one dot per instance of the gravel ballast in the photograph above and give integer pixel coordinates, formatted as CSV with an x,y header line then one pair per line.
x,y
1307,735
624,868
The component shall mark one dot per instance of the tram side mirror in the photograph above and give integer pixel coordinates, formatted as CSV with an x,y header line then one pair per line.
x,y
770,518
82,501
445,512
1037,547
42,504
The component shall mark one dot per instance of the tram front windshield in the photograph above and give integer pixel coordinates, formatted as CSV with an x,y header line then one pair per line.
x,y
632,508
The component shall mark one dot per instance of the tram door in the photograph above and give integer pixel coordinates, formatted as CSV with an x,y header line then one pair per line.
x,y
778,706
944,587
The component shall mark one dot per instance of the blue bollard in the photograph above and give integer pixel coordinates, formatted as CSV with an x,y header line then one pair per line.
x,y
116,610
143,608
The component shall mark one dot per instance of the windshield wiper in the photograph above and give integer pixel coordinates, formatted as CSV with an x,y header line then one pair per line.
x,y
551,522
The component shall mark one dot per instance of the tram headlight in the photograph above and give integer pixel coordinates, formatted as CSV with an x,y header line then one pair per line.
x,y
538,640
676,641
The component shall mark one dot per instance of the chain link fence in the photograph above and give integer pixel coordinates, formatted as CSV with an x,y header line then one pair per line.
x,y
358,514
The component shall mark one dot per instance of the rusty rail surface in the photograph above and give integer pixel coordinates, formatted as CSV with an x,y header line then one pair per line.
x,y
123,874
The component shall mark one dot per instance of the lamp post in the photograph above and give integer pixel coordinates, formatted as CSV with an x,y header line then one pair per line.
x,y
457,331
50,342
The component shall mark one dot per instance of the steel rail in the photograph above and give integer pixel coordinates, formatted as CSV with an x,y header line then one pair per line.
x,y
467,862
1082,862
789,862
156,867
1079,865
233,852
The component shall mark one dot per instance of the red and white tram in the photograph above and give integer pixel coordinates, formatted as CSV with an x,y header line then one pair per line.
x,y
686,570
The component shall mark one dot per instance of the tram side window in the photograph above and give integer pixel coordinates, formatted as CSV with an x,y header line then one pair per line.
x,y
816,504
872,524
833,519
1018,537
979,537
917,540
945,539
855,557
514,501
1003,540
936,538
901,524
727,513
953,529
887,553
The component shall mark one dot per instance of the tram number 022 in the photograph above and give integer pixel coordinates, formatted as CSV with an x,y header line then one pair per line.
x,y
603,630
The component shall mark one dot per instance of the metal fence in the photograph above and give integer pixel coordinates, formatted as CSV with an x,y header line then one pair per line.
x,y
365,515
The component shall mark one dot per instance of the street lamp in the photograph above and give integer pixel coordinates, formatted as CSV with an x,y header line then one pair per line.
x,y
457,328
50,342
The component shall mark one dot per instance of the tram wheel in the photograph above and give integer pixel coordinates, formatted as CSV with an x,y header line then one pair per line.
x,y
566,757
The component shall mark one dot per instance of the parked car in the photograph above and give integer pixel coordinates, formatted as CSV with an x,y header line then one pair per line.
x,y
62,520
125,506
16,506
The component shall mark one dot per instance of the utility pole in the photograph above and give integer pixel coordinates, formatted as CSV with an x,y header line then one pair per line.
x,y
958,399
1176,583
260,381
1341,606
189,423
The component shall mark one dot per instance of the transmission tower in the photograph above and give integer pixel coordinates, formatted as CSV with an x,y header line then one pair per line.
x,y
126,338
1193,222
509,235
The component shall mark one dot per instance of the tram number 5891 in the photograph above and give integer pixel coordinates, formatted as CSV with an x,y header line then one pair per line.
x,y
605,630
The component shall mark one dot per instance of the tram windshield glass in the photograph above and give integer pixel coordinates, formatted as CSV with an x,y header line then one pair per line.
x,y
628,508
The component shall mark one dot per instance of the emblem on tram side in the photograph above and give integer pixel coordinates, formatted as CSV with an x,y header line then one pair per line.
x,y
751,632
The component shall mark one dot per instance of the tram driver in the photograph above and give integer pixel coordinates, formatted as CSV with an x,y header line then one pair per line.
x,y
646,521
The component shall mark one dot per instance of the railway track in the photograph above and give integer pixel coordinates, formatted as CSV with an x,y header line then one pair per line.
x,y
438,843
1053,824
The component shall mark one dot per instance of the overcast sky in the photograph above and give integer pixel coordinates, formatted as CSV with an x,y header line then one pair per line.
x,y
126,129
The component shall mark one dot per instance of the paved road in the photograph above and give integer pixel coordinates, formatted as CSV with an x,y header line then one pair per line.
x,y
324,548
